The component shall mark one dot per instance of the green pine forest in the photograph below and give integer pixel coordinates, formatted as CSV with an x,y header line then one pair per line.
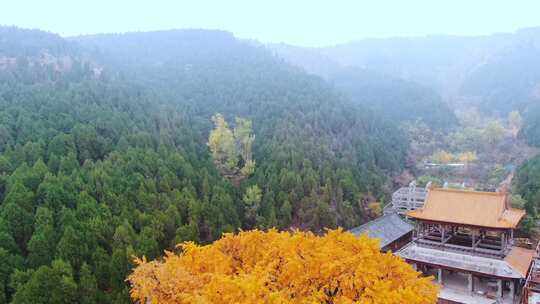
x,y
104,154
121,145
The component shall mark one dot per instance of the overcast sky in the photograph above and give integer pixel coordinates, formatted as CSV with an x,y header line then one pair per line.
x,y
301,22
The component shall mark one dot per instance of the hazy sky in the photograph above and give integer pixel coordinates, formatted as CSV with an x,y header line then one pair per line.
x,y
302,22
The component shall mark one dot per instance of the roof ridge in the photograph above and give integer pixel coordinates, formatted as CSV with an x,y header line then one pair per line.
x,y
476,208
469,191
377,219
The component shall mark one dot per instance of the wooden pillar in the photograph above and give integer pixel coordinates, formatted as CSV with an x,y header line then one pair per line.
x,y
471,283
473,239
503,241
511,236
512,289
442,233
414,266
439,276
499,289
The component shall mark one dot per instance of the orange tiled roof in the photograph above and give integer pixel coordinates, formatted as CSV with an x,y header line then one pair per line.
x,y
484,209
520,259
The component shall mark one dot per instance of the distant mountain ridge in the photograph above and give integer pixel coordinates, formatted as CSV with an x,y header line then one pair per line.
x,y
42,53
157,47
310,59
488,72
16,41
396,99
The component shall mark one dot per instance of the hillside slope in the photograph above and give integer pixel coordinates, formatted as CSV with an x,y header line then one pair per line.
x,y
106,157
495,73
395,99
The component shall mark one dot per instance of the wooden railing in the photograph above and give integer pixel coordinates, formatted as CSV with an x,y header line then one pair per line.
x,y
498,254
406,199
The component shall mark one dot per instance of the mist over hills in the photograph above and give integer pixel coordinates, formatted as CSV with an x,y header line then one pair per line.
x,y
395,99
17,42
494,73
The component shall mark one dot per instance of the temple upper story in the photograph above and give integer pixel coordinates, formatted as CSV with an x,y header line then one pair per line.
x,y
468,208
467,238
479,223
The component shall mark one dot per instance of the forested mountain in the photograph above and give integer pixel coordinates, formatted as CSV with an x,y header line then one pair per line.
x,y
508,80
103,154
496,73
311,60
531,126
441,62
526,183
22,43
393,98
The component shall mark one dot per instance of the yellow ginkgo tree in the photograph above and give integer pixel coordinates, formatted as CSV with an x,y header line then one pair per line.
x,y
232,149
281,267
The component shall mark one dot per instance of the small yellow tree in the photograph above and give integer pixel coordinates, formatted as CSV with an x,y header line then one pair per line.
x,y
442,156
281,267
231,148
222,145
468,156
375,208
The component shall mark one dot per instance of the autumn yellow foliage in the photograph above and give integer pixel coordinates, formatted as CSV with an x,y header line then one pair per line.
x,y
442,156
281,267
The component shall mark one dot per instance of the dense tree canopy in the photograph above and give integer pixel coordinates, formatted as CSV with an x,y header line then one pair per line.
x,y
527,184
104,155
395,99
531,126
273,267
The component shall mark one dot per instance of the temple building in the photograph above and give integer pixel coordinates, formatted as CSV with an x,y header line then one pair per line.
x,y
392,231
465,239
